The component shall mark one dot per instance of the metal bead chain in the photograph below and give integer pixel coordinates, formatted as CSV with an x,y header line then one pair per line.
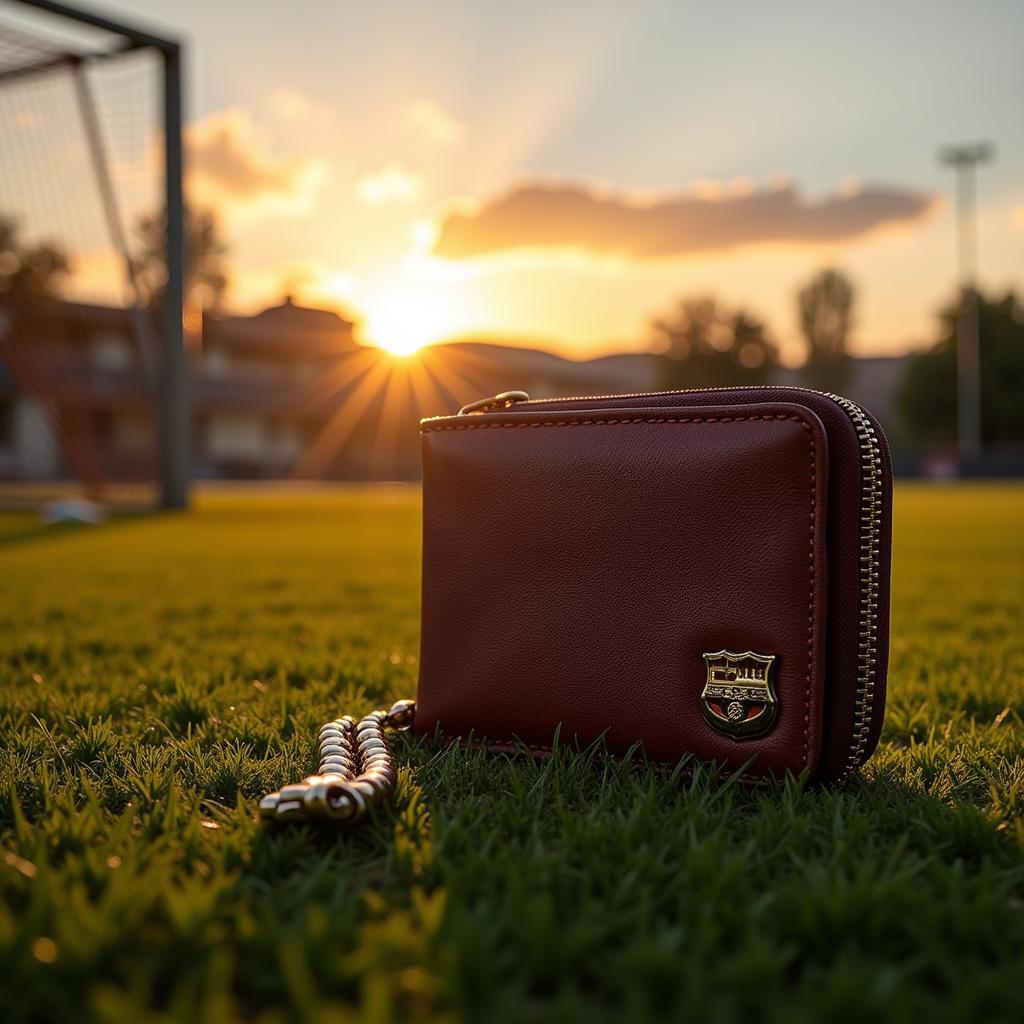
x,y
356,771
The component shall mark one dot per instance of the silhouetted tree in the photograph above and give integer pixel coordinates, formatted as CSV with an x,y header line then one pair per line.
x,y
926,401
826,308
205,275
31,270
709,346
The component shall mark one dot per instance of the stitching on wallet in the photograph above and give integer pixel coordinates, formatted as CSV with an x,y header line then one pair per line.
x,y
590,422
433,429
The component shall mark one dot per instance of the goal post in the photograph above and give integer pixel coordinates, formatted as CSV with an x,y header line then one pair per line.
x,y
172,419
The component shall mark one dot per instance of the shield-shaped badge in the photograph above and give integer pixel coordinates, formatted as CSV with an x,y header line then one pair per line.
x,y
738,697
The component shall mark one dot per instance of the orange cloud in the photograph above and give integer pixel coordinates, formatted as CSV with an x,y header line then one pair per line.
x,y
392,183
539,216
227,167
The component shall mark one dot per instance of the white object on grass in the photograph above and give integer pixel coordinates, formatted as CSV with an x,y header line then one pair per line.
x,y
72,510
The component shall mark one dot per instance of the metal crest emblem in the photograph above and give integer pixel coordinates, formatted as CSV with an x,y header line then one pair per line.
x,y
738,697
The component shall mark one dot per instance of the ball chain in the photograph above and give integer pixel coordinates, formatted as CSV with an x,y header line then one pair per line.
x,y
356,771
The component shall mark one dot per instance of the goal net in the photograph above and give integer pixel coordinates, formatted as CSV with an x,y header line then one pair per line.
x,y
83,267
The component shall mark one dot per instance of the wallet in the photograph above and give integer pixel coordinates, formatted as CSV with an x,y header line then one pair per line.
x,y
699,574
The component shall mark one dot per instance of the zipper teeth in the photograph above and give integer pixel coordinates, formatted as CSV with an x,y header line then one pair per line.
x,y
870,549
870,559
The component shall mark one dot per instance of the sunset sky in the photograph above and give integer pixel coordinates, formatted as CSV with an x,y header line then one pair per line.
x,y
565,172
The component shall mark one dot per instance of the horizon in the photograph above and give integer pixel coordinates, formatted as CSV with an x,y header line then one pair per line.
x,y
542,203
521,343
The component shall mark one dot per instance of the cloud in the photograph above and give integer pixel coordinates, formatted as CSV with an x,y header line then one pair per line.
x,y
228,167
568,216
434,121
391,183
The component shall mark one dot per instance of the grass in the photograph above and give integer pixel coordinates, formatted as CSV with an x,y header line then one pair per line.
x,y
158,674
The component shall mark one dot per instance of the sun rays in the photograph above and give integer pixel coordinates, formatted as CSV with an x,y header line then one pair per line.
x,y
369,406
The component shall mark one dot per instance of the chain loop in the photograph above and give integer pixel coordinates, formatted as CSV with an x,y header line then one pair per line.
x,y
356,771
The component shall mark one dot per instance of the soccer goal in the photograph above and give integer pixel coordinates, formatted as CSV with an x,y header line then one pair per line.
x,y
93,368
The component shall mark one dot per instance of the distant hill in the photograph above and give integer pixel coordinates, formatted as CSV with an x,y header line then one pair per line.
x,y
544,374
873,381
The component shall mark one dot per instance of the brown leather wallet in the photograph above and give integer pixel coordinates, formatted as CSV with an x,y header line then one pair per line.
x,y
698,572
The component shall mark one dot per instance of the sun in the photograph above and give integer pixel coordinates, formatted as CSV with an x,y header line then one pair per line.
x,y
402,323
401,347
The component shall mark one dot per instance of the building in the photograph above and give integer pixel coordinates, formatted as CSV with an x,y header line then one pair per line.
x,y
77,395
286,393
256,384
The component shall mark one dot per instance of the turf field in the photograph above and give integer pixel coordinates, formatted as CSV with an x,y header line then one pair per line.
x,y
158,674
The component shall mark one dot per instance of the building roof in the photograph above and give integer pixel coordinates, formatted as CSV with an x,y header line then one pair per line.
x,y
281,333
286,327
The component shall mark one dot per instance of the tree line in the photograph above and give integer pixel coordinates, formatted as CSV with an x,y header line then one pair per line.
x,y
711,345
39,269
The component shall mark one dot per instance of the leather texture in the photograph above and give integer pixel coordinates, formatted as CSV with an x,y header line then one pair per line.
x,y
845,499
580,558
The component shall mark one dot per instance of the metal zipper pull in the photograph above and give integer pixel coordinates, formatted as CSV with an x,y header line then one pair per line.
x,y
505,400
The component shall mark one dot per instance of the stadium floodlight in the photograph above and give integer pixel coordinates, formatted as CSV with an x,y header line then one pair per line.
x,y
964,160
25,62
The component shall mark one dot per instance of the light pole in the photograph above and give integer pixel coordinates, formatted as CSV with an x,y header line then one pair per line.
x,y
964,159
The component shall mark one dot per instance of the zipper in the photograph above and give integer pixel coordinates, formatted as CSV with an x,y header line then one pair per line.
x,y
870,540
870,570
505,400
